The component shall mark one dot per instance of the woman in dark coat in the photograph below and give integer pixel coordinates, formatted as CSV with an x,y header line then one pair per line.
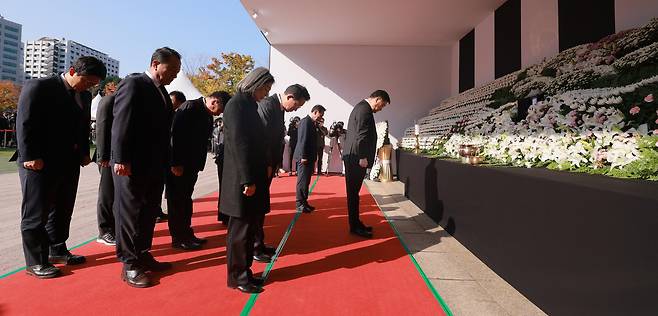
x,y
292,132
244,192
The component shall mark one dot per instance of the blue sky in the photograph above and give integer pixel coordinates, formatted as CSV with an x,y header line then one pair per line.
x,y
130,30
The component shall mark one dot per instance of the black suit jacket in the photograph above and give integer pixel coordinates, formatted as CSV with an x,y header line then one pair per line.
x,y
190,131
104,120
243,159
307,140
140,130
50,124
361,138
270,112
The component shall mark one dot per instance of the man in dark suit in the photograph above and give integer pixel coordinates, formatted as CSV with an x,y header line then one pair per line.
x,y
140,151
218,138
105,205
190,131
271,110
53,142
359,154
322,132
244,196
305,154
177,99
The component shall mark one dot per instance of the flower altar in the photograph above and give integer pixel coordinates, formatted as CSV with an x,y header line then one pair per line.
x,y
593,111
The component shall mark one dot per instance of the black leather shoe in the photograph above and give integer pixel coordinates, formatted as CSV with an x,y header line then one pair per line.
x,y
153,265
304,209
248,288
270,251
186,245
197,240
67,258
162,217
46,271
261,257
310,207
257,281
368,228
361,232
136,278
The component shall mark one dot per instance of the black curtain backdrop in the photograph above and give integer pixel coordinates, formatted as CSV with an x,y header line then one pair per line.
x,y
574,244
467,61
584,21
507,32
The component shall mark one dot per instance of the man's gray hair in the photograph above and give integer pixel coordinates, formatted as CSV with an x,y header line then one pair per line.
x,y
257,78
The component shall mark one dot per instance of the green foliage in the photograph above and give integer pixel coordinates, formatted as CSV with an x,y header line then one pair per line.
x,y
501,97
647,114
627,76
522,75
549,72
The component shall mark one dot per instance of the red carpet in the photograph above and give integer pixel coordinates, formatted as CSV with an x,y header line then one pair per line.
x,y
322,270
196,285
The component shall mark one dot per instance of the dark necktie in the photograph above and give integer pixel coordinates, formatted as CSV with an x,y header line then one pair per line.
x,y
164,95
72,92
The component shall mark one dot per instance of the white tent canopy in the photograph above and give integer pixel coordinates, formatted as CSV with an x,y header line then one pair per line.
x,y
94,105
183,84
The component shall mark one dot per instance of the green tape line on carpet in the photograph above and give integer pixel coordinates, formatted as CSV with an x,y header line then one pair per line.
x,y
23,268
438,297
252,299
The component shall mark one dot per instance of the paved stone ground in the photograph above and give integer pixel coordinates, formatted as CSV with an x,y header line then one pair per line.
x,y
83,224
467,285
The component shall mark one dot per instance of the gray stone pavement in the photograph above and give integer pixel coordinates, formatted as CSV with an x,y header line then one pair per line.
x,y
83,224
466,284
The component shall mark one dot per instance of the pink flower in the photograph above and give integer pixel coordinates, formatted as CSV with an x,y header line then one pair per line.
x,y
648,98
656,121
635,110
655,132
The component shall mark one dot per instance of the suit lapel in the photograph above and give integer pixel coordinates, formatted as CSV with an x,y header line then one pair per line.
x,y
66,96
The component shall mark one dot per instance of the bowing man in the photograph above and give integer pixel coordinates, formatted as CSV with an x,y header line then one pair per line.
x,y
53,142
244,195
271,111
190,131
140,155
359,154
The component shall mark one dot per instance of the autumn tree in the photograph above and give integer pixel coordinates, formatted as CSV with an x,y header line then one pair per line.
x,y
109,80
9,93
222,73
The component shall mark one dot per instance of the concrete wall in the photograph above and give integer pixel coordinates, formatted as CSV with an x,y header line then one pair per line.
x,y
454,69
338,77
634,13
484,51
539,31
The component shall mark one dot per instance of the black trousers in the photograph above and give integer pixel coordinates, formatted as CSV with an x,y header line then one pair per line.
x,y
291,150
105,205
319,161
354,175
259,238
304,174
46,209
220,168
179,204
137,201
240,249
